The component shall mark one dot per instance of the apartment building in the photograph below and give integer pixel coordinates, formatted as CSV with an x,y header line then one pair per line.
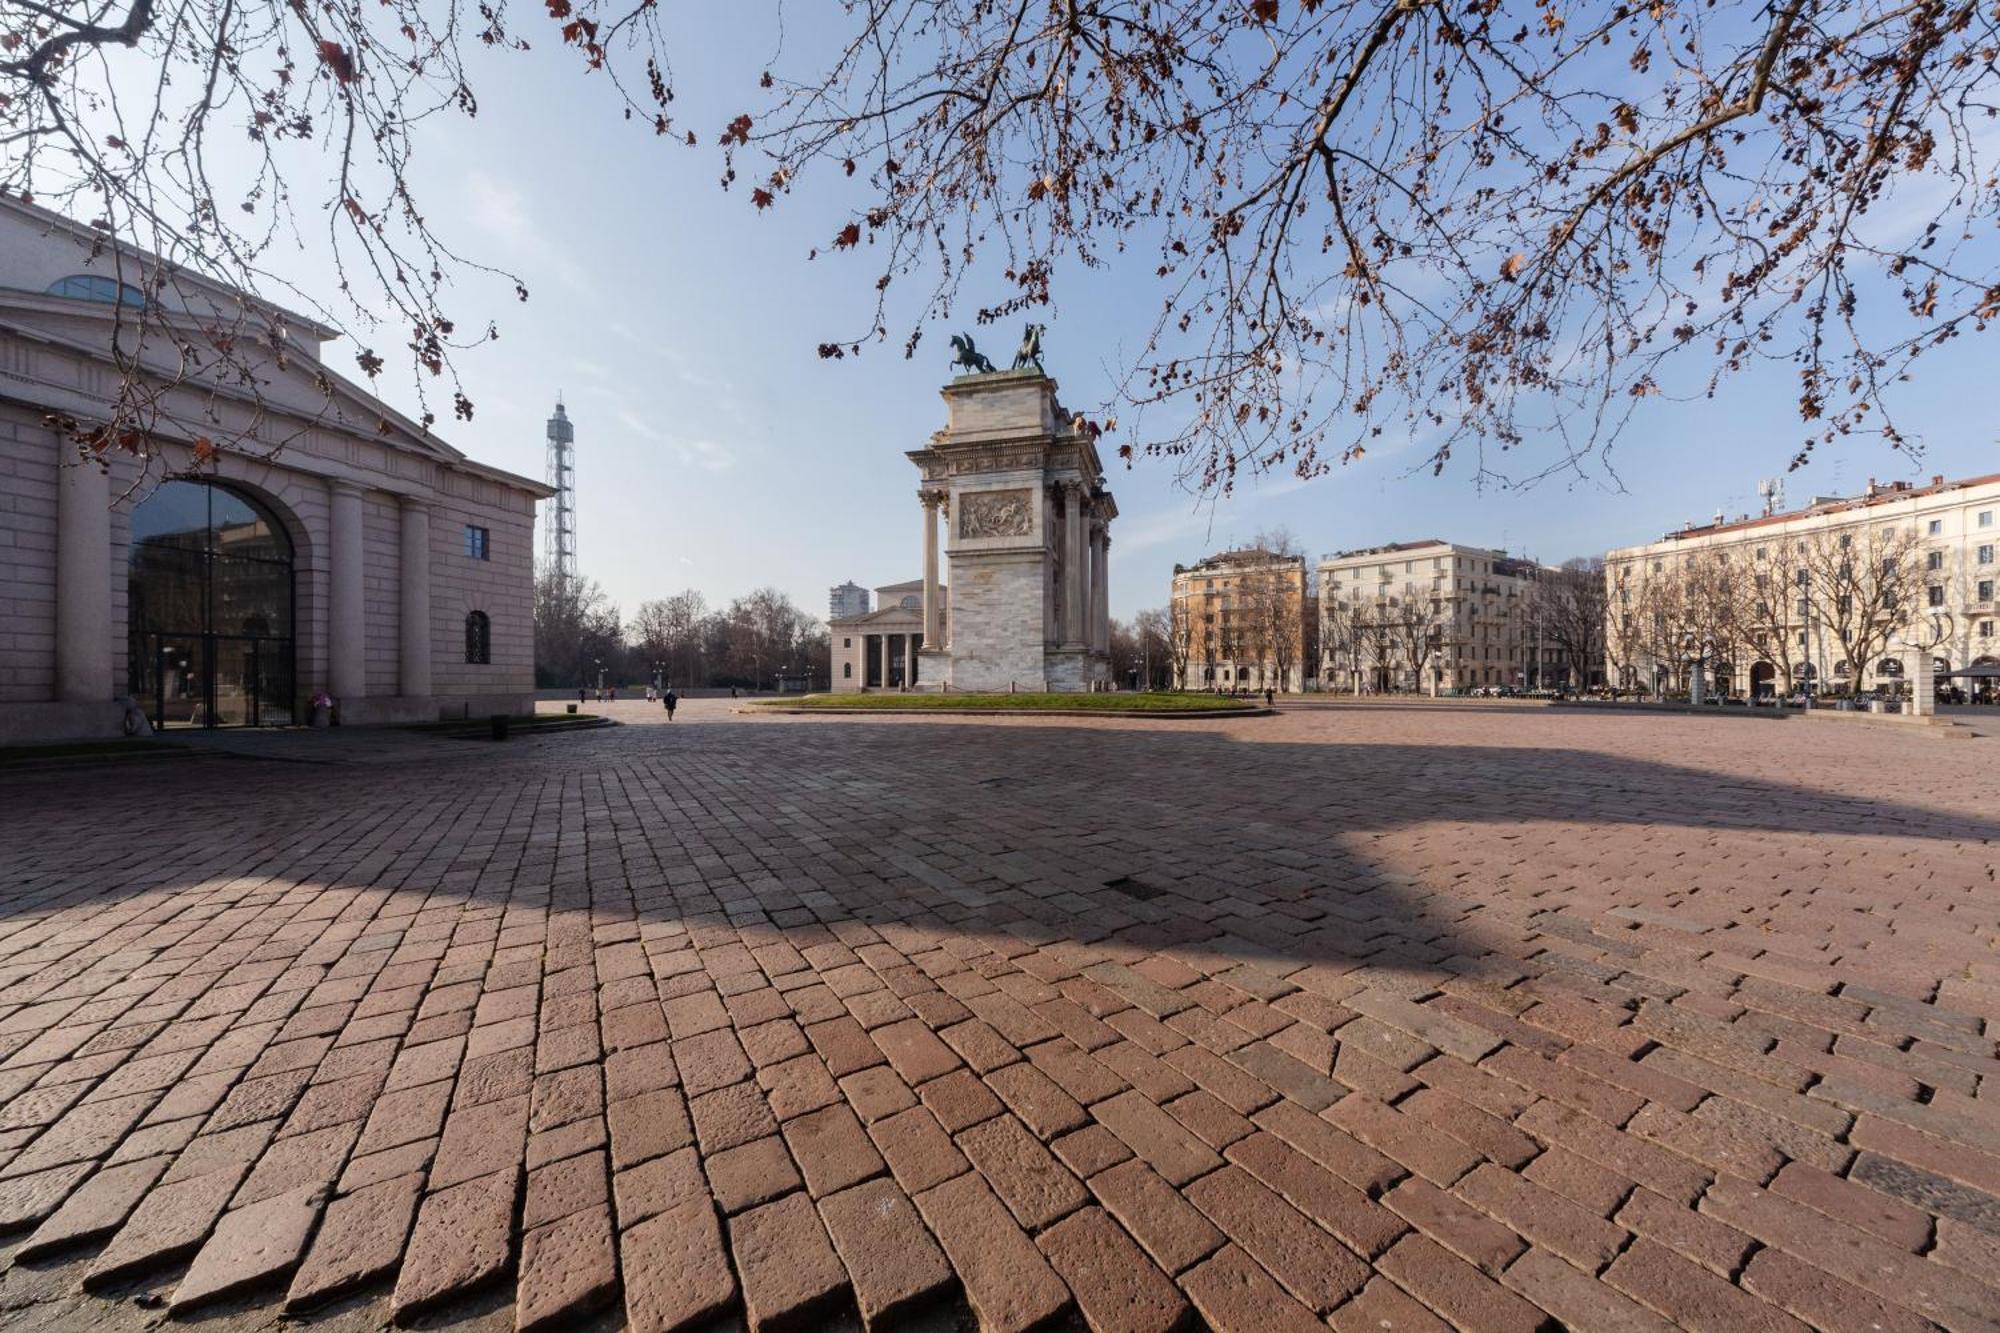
x,y
1432,616
1837,595
1239,620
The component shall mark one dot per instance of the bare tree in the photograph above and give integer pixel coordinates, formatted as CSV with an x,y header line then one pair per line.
x,y
1183,632
1412,629
1358,215
1151,631
1867,581
1570,604
1771,609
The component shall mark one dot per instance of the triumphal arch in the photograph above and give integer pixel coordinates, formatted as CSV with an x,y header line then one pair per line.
x,y
1027,520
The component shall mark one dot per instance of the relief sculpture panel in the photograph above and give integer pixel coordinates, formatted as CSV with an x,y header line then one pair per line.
x,y
996,513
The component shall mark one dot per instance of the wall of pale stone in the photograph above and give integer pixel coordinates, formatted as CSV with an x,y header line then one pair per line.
x,y
460,585
997,604
27,558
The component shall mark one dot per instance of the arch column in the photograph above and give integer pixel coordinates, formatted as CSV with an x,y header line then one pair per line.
x,y
1073,565
931,500
347,618
1100,587
83,582
414,660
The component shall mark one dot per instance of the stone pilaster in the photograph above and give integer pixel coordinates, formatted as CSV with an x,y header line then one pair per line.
x,y
83,582
1100,586
347,616
414,660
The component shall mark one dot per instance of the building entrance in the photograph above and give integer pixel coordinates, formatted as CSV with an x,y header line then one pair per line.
x,y
210,606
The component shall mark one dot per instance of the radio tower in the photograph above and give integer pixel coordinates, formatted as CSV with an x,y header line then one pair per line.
x,y
559,538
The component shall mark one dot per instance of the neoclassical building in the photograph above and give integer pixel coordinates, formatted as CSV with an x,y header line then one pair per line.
x,y
329,545
1239,620
882,649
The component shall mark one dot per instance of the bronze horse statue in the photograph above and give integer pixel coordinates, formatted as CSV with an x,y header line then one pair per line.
x,y
1030,352
970,357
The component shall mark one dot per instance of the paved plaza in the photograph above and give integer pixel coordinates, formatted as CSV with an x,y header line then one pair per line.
x,y
1410,1017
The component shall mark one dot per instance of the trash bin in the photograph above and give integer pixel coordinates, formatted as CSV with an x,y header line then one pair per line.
x,y
569,708
499,721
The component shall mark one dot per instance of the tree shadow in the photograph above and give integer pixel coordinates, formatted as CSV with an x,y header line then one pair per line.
x,y
1284,852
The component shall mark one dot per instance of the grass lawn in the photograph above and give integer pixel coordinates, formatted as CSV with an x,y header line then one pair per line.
x,y
133,748
1065,703
516,722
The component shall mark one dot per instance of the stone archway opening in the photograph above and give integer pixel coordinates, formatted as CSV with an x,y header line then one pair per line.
x,y
211,609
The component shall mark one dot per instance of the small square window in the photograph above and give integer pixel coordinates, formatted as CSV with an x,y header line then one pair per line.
x,y
1986,518
1986,554
1985,629
1934,560
1936,527
478,543
1935,595
1986,590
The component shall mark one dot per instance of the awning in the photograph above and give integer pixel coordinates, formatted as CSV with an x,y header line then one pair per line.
x,y
1977,671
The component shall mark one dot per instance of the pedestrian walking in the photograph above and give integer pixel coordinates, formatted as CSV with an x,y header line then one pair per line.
x,y
671,699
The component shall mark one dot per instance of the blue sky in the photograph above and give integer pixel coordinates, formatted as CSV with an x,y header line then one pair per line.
x,y
716,450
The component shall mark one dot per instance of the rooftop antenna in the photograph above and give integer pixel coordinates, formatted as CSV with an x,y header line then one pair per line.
x,y
559,538
1772,491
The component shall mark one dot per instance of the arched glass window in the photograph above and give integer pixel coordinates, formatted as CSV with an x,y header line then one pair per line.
x,y
209,608
847,671
478,638
97,287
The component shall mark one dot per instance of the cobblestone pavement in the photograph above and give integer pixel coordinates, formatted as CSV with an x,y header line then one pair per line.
x,y
1409,1017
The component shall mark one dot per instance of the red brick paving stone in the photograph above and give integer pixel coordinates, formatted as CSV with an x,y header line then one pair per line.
x,y
170,1223
463,1239
919,1153
404,1117
797,1086
1158,1139
1306,1260
731,1116
1822,1300
915,1051
876,1093
1575,1297
1455,1224
1007,1282
1490,1137
1236,1296
1918,1284
1089,1079
677,1275
1720,1249
648,1126
565,1187
832,1149
844,1045
1403,1139
891,1258
568,1272
97,1209
479,1141
26,1200
1036,1098
1455,1289
1116,1285
1692,1297
1170,1228
959,1100
1090,1150
1333,1148
1543,1216
1382,1305
712,1060
1656,1168
754,1173
1364,1225
1036,1188
1212,1122
787,1266
659,1186
250,1247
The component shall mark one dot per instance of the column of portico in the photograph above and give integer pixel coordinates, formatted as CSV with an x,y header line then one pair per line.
x,y
83,582
1100,587
883,673
415,618
347,627
1073,565
931,500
